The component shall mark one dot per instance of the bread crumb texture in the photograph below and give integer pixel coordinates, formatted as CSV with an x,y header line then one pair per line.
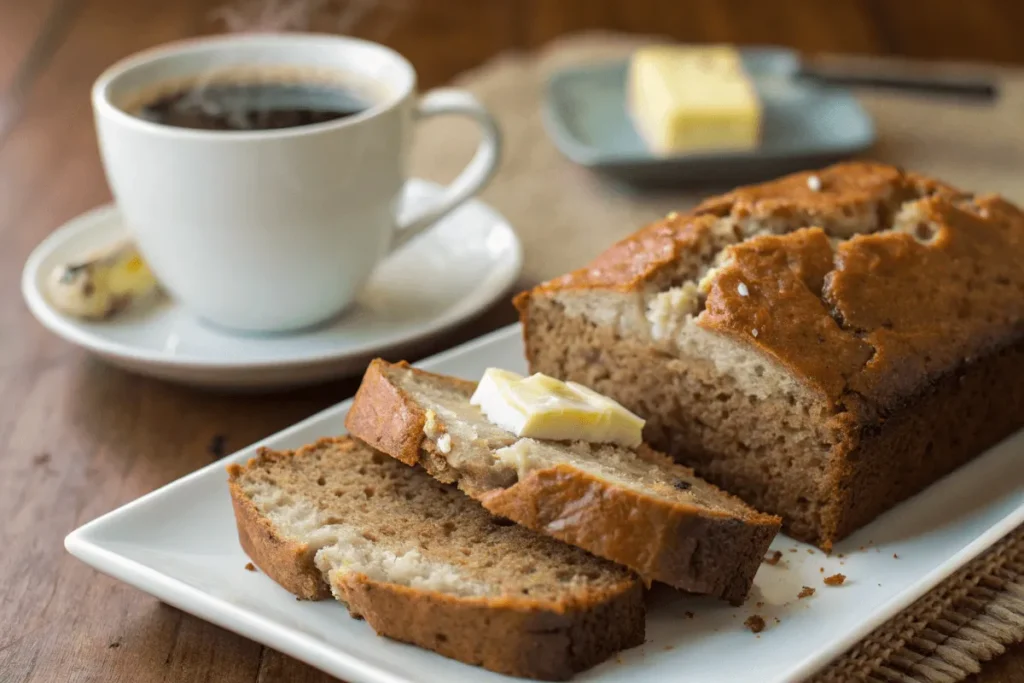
x,y
836,580
364,513
755,622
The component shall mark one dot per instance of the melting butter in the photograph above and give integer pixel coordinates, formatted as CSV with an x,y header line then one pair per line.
x,y
542,407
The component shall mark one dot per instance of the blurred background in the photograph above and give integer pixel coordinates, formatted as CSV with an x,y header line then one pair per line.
x,y
445,37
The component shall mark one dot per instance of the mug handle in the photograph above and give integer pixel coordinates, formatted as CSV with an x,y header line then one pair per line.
x,y
474,176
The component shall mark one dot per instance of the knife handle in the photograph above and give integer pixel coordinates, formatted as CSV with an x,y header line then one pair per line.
x,y
975,89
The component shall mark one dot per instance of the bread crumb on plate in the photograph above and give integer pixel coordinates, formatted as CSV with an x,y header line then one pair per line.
x,y
249,566
773,557
805,592
755,622
835,580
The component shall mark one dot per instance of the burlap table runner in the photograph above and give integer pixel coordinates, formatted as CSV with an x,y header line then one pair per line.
x,y
565,215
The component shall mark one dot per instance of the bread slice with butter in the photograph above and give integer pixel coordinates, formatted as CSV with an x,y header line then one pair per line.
x,y
693,98
426,565
632,506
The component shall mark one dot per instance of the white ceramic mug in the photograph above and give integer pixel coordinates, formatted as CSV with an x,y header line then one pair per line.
x,y
274,230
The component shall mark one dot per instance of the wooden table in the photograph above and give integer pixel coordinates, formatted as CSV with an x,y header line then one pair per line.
x,y
79,438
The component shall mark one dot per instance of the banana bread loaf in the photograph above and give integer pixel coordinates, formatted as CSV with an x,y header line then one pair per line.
x,y
823,346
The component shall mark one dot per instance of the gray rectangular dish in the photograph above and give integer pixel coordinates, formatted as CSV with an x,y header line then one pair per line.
x,y
806,124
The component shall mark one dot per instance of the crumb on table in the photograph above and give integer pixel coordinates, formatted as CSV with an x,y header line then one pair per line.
x,y
755,622
216,447
821,570
250,566
835,580
895,556
773,557
805,592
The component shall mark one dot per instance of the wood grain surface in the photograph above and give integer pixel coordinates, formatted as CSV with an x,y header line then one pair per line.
x,y
79,438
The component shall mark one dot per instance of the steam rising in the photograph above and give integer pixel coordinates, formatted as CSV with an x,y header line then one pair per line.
x,y
333,16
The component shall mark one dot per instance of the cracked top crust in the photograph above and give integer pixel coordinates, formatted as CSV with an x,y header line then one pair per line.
x,y
866,284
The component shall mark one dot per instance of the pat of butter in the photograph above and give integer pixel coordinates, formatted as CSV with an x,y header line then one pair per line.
x,y
693,98
543,407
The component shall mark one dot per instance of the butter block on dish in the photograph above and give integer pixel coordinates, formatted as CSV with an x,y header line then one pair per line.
x,y
693,98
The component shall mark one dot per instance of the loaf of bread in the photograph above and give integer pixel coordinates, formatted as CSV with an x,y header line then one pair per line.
x,y
823,346
424,564
637,508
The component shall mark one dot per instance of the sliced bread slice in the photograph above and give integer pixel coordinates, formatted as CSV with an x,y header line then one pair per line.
x,y
637,508
424,564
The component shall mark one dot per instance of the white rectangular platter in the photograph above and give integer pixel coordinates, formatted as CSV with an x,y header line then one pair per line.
x,y
179,544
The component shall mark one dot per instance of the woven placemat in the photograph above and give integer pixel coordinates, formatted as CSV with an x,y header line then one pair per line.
x,y
565,215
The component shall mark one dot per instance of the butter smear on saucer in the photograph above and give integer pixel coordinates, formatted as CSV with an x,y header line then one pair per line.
x,y
101,283
693,98
542,407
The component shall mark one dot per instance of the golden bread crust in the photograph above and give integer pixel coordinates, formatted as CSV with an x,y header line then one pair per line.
x,y
506,635
709,552
867,285
288,563
388,418
878,315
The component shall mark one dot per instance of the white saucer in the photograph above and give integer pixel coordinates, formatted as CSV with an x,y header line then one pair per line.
x,y
466,262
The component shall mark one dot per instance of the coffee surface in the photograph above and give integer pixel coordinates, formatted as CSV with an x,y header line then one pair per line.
x,y
261,106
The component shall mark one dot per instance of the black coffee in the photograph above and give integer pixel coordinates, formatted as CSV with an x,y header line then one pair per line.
x,y
259,106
